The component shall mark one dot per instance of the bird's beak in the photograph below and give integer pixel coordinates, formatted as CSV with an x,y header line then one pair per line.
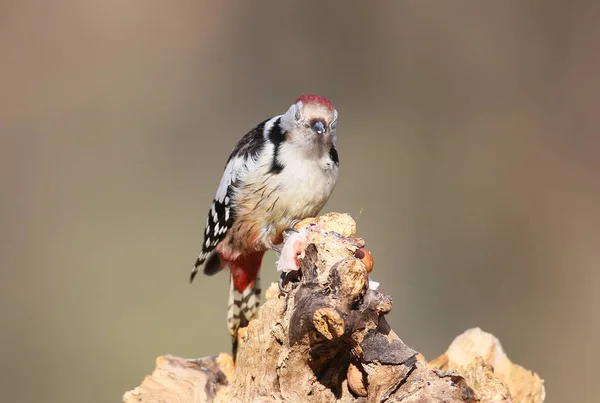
x,y
318,127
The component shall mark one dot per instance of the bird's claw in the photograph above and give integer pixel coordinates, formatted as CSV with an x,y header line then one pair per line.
x,y
289,231
282,279
293,224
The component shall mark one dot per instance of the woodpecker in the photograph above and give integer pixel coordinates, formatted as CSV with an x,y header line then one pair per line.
x,y
281,171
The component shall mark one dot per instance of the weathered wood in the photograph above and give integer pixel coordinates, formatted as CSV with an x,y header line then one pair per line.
x,y
327,340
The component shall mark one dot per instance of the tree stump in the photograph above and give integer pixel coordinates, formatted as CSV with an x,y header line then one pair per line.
x,y
327,340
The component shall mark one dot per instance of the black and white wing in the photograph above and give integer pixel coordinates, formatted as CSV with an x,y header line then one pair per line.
x,y
221,215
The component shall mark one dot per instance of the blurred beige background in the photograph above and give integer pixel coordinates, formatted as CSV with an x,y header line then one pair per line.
x,y
469,149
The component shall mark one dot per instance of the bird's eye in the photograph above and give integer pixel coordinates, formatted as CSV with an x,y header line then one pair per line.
x,y
318,126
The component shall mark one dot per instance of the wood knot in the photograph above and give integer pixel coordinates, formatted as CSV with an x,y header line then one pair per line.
x,y
349,279
328,323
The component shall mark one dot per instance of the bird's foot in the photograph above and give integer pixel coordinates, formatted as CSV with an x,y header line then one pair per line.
x,y
293,224
293,276
281,283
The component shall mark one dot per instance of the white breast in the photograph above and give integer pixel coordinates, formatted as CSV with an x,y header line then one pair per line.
x,y
306,183
267,203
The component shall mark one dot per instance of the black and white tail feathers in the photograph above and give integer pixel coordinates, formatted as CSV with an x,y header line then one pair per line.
x,y
242,308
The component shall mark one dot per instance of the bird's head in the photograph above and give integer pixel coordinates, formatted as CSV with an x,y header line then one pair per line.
x,y
311,123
